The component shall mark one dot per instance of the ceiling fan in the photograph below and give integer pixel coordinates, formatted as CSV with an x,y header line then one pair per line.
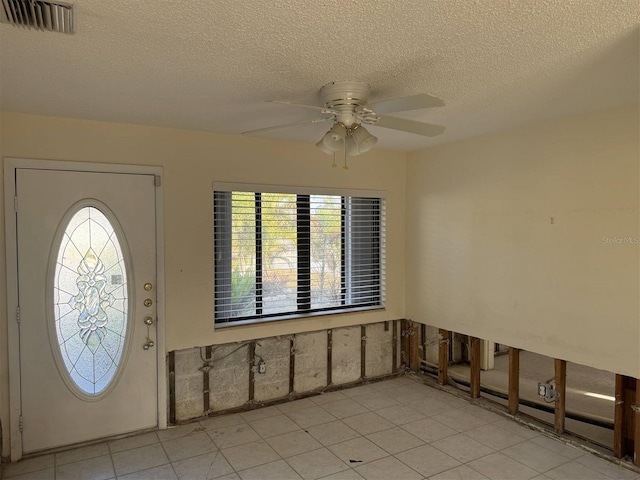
x,y
346,103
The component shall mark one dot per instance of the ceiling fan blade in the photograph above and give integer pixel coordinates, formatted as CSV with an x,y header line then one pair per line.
x,y
302,105
276,127
411,126
404,104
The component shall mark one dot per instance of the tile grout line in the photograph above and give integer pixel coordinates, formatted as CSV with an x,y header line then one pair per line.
x,y
565,459
113,463
167,455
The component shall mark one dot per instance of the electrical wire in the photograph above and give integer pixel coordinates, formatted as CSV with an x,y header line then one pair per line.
x,y
210,361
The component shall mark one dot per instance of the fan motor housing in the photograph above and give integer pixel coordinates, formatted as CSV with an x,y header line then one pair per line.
x,y
336,94
345,97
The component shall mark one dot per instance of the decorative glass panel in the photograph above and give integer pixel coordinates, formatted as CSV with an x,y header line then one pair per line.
x,y
90,300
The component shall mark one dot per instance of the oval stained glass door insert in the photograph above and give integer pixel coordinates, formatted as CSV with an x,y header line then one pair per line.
x,y
90,301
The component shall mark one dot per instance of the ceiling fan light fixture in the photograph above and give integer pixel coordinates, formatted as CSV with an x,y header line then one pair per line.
x,y
362,140
338,132
323,147
347,105
333,140
351,148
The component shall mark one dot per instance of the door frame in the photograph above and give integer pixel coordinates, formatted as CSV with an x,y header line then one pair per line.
x,y
12,436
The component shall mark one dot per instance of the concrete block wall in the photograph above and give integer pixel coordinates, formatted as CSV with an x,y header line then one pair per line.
x,y
345,355
274,383
431,344
228,368
188,381
229,377
310,361
379,349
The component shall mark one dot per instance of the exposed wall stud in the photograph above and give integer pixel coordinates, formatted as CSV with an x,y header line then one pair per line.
x,y
561,388
636,422
626,437
363,351
404,344
618,418
443,357
206,402
292,363
514,380
252,360
423,341
394,360
172,387
474,347
414,342
329,356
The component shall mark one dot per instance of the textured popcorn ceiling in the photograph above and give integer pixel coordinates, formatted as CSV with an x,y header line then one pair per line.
x,y
208,65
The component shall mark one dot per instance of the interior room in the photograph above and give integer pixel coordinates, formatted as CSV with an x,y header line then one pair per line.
x,y
373,239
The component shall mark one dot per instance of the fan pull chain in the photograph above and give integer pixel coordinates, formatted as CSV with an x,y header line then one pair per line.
x,y
346,167
334,160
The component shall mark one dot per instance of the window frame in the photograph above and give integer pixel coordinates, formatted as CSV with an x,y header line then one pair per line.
x,y
303,224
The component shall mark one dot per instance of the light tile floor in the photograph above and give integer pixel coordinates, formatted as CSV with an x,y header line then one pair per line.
x,y
396,429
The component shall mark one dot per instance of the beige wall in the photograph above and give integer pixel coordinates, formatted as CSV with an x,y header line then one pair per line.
x,y
485,259
191,162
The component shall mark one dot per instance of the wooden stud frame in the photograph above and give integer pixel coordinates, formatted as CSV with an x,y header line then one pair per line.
x,y
172,387
363,351
423,341
329,357
206,400
292,364
636,430
474,347
561,389
443,357
619,419
514,380
394,360
414,351
252,362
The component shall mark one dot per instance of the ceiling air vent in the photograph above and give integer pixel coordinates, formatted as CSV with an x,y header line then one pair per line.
x,y
39,14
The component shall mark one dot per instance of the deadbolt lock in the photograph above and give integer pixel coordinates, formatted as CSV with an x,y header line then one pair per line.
x,y
148,287
148,302
148,320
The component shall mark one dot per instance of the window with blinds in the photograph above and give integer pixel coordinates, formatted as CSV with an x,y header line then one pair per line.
x,y
280,254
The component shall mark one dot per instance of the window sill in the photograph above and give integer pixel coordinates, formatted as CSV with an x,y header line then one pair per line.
x,y
297,316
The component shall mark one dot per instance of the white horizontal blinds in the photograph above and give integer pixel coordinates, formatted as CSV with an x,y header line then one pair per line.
x,y
222,253
288,253
279,253
235,254
363,251
326,251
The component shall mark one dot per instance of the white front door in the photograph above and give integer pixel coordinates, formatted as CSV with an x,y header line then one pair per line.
x,y
87,305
